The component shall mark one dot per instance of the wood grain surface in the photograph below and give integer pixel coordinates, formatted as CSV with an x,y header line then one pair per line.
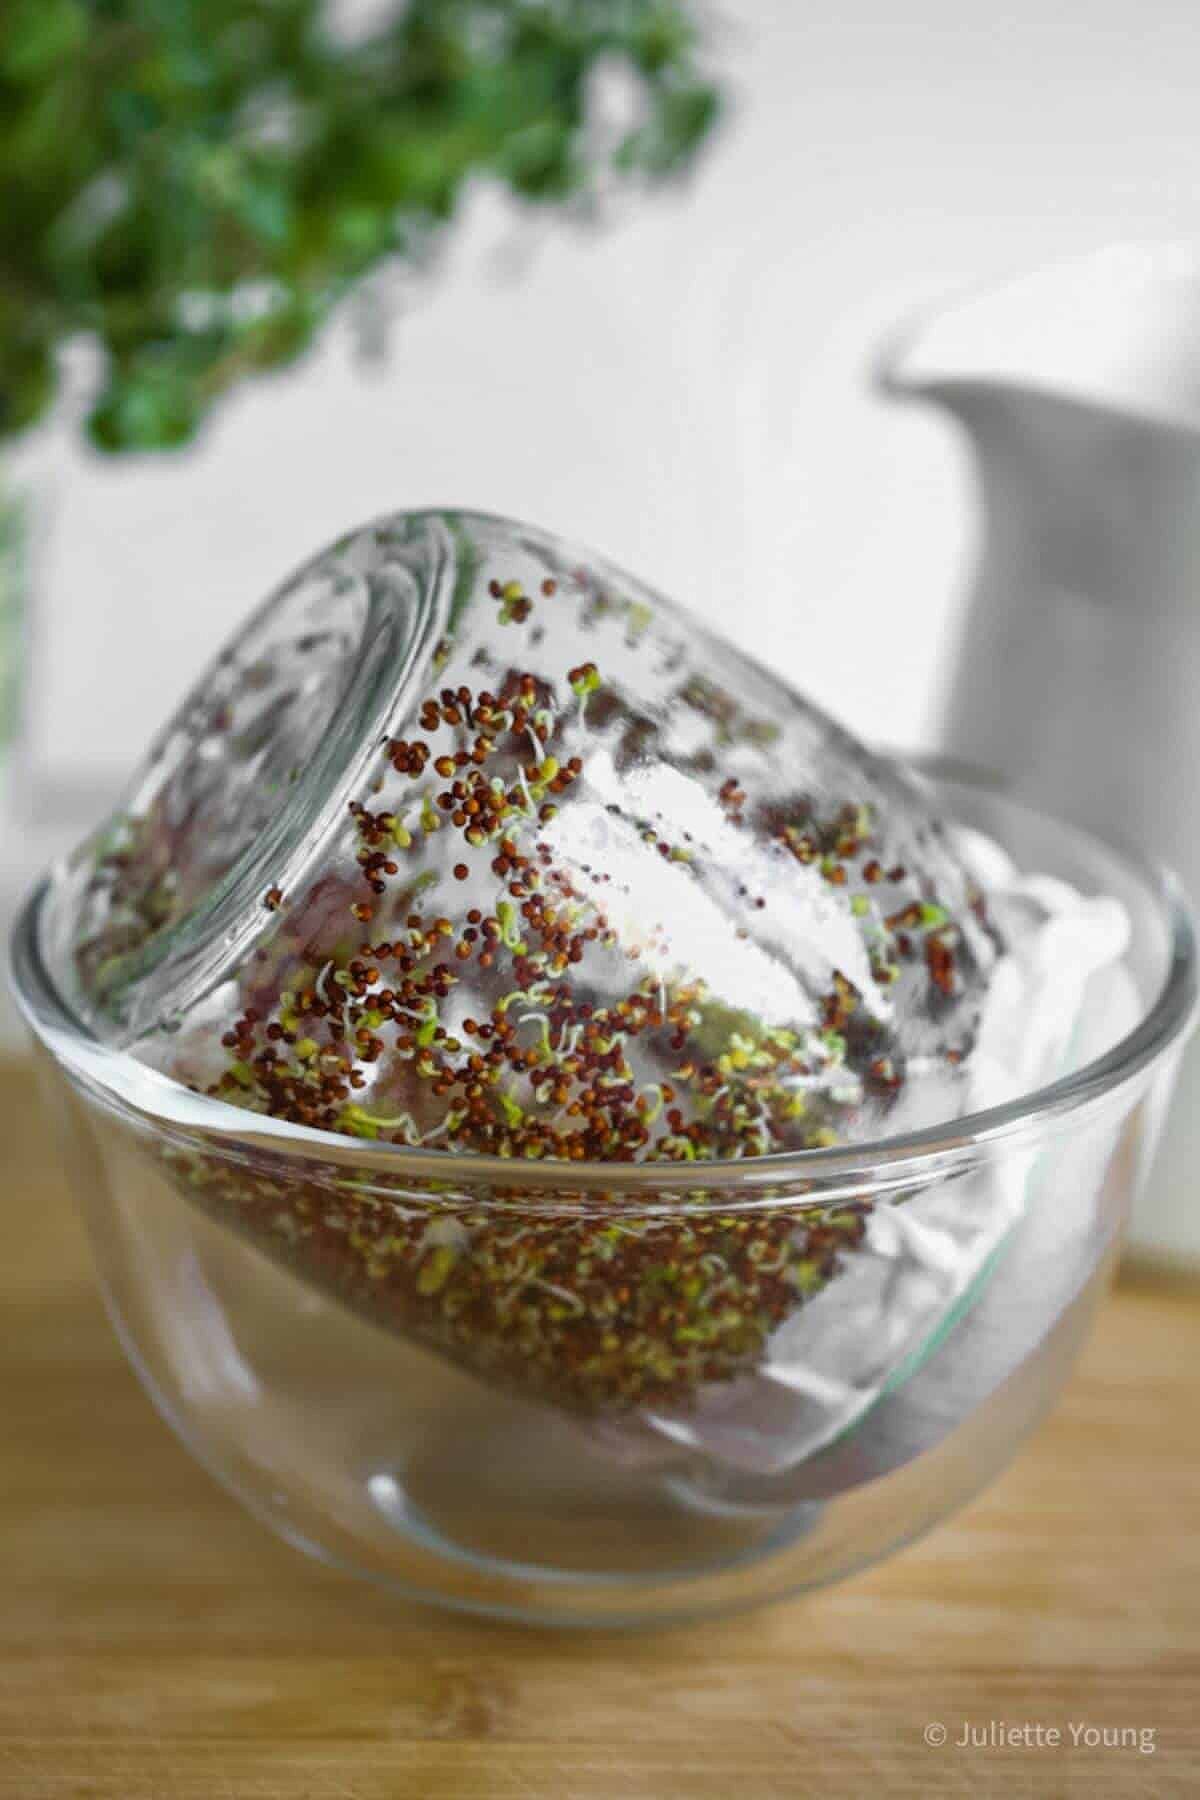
x,y
157,1644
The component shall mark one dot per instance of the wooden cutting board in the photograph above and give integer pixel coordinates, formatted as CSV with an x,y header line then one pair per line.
x,y
157,1644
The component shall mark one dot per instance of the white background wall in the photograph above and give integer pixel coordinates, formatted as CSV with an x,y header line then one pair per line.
x,y
686,391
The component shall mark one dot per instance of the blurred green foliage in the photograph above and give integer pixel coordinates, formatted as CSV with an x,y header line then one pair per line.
x,y
195,184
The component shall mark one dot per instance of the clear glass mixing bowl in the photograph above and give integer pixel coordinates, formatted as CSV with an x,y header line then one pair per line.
x,y
456,1465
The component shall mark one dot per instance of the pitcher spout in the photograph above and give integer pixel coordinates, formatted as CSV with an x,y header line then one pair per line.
x,y
1118,331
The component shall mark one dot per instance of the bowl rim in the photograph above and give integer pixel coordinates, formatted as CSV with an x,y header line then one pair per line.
x,y
126,1086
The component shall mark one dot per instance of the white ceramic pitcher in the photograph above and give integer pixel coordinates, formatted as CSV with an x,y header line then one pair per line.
x,y
1078,672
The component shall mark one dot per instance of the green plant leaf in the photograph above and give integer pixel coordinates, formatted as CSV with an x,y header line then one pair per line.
x,y
162,161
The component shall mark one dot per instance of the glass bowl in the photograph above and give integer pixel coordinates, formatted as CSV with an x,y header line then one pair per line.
x,y
373,1346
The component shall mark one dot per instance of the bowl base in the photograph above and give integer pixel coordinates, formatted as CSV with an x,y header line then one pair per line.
x,y
554,1510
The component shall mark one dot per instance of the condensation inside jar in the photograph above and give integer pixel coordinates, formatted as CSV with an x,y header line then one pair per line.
x,y
471,842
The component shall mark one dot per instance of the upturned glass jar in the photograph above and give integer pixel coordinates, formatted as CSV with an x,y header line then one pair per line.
x,y
415,1413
